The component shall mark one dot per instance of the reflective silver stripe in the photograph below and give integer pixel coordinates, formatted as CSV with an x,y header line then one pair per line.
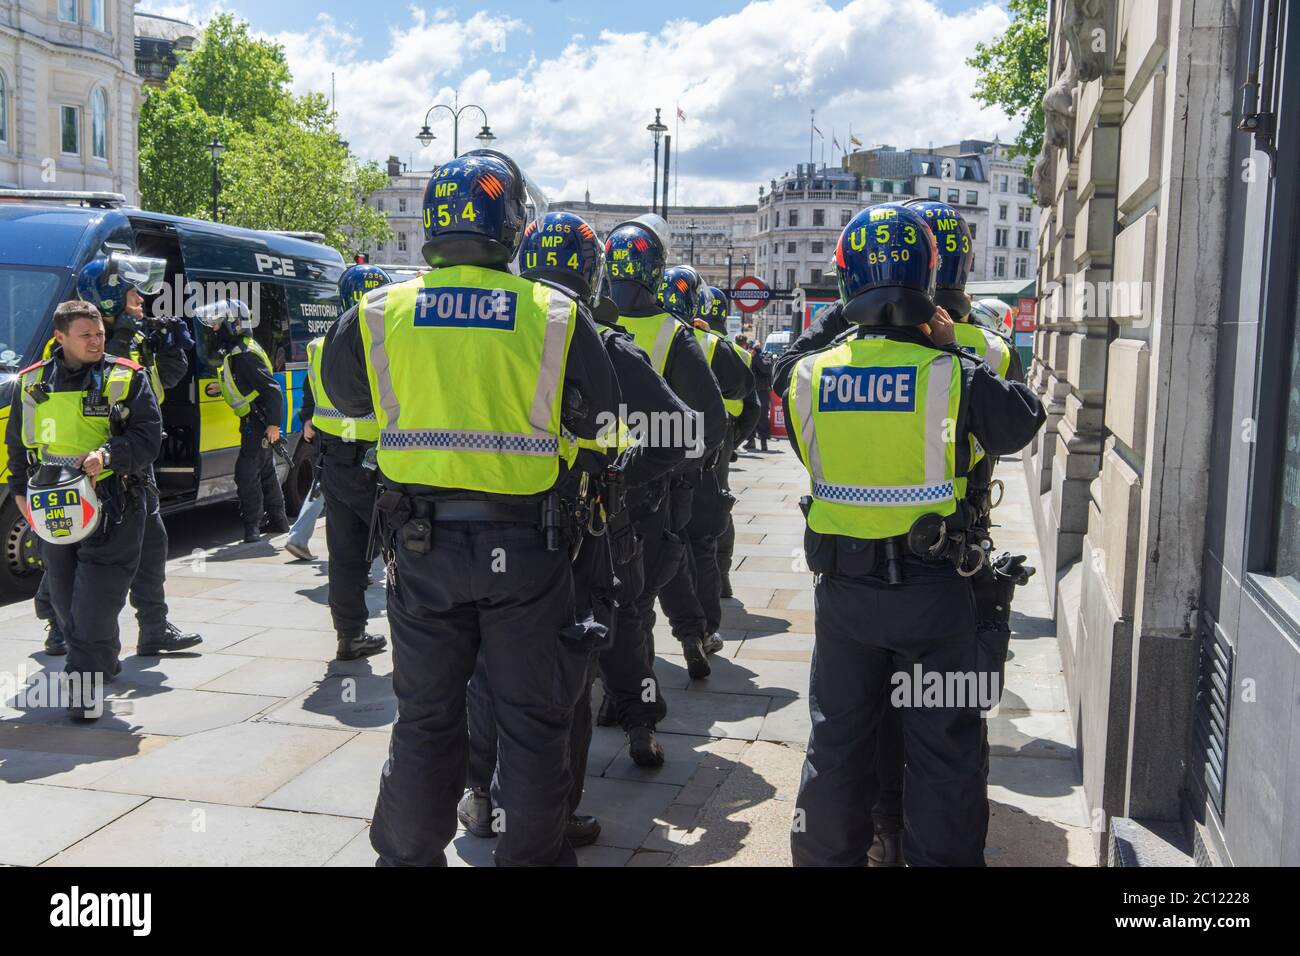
x,y
233,396
803,399
663,341
29,406
936,414
887,496
117,387
994,344
326,411
552,368
402,439
373,313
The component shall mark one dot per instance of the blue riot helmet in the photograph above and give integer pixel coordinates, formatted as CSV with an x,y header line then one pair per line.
x,y
680,291
104,281
637,250
715,308
357,280
956,254
886,260
475,210
561,248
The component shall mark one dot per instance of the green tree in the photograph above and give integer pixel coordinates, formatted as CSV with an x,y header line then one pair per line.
x,y
284,167
1013,72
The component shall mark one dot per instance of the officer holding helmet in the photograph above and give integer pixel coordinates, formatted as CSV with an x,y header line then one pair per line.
x,y
474,374
348,480
890,537
248,385
86,424
635,252
116,285
562,251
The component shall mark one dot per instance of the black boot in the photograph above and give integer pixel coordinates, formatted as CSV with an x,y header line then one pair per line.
x,y
277,524
251,534
582,830
886,849
55,645
607,716
165,640
644,748
749,445
353,646
713,643
697,662
764,443
475,812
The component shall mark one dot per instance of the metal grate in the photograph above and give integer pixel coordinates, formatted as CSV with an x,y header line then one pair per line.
x,y
1213,695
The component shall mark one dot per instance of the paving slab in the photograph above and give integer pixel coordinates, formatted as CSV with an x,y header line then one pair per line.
x,y
709,714
345,783
52,818
68,755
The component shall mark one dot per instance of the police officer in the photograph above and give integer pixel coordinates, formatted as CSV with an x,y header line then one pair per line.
x,y
248,385
889,536
473,373
692,598
635,253
561,250
348,480
81,408
116,285
761,366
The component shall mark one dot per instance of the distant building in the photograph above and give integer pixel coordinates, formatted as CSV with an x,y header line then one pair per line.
x,y
69,95
158,40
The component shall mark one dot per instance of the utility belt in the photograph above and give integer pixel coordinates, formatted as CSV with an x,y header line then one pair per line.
x,y
409,520
347,452
954,541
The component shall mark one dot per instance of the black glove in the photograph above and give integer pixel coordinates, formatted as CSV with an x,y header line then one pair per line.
x,y
996,584
178,336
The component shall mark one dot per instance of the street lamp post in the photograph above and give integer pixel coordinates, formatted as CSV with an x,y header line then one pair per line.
x,y
691,229
657,129
216,148
730,251
485,135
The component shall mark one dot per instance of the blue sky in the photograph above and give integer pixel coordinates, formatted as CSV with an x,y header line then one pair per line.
x,y
570,84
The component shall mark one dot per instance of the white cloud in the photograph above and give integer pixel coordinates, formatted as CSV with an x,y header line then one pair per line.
x,y
893,69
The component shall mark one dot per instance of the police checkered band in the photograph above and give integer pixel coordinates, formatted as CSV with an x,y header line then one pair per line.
x,y
469,441
884,495
333,414
63,461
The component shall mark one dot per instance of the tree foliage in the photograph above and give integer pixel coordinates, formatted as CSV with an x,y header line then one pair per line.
x,y
1013,72
284,167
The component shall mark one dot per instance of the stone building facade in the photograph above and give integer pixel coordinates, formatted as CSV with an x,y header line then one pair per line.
x,y
69,95
1167,473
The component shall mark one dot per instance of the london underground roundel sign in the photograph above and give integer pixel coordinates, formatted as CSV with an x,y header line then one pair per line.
x,y
750,294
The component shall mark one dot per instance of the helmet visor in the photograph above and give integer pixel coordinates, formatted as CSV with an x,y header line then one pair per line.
x,y
230,312
655,224
141,273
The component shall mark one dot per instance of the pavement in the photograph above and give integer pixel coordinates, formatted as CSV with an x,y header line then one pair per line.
x,y
263,751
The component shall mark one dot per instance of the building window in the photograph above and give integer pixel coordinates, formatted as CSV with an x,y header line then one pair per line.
x,y
1022,268
818,247
776,219
790,247
1000,237
954,196
70,130
972,231
819,217
99,124
4,110
401,204
97,14
1002,211
933,192
68,11
845,216
1002,184
380,245
776,247
1022,186
1025,214
794,218
972,198
379,205
999,267
1022,238
789,278
816,277
401,242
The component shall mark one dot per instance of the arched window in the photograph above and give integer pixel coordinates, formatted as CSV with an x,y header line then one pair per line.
x,y
99,124
4,110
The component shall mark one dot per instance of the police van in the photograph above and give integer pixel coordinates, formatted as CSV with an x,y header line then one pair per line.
x,y
288,280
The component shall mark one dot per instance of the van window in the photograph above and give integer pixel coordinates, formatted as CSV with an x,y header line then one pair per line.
x,y
312,310
26,304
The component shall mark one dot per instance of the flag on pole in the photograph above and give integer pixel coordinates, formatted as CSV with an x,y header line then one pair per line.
x,y
854,140
818,132
680,114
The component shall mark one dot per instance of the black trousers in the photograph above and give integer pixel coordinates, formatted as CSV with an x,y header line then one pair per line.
x,y
866,630
765,419
88,584
255,481
627,666
491,590
349,491
148,588
594,589
692,598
